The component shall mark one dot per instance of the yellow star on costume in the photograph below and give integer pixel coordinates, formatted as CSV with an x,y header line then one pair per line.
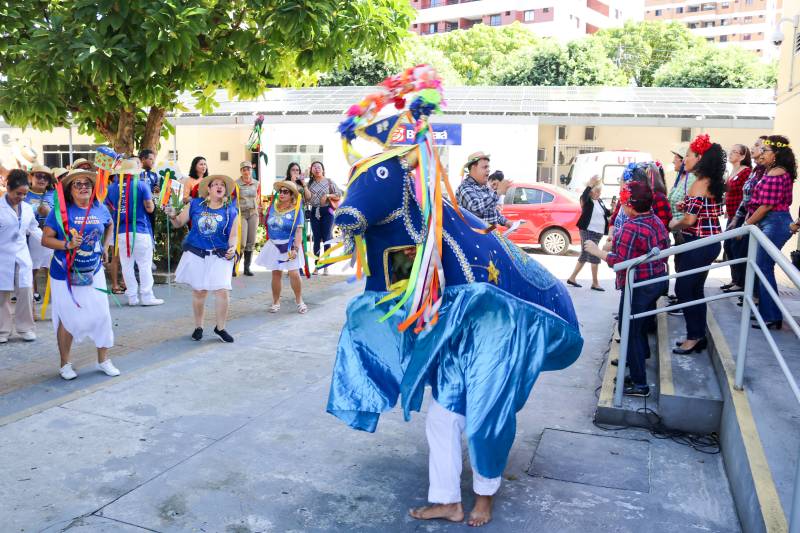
x,y
494,274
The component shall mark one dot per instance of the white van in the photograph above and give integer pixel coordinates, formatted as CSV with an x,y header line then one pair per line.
x,y
608,165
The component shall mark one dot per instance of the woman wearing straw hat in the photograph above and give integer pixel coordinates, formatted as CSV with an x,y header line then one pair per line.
x,y
281,252
209,249
17,222
40,198
80,231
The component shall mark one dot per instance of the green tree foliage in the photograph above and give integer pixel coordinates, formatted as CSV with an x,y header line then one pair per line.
x,y
580,62
706,66
640,48
117,67
475,52
365,68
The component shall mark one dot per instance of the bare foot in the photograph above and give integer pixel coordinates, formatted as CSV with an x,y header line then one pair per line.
x,y
482,512
447,511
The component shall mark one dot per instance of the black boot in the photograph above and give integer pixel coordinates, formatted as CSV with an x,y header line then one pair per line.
x,y
248,256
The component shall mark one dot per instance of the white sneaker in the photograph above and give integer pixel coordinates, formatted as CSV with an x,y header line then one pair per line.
x,y
108,368
3,340
28,336
133,302
153,301
67,372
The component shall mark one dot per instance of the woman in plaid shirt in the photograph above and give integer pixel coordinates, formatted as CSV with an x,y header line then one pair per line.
x,y
769,209
701,209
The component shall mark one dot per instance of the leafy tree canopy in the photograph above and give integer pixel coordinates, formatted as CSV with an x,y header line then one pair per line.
x,y
640,48
706,66
117,67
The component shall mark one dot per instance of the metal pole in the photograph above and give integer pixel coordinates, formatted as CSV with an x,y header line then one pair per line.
x,y
794,517
556,180
744,324
623,338
70,143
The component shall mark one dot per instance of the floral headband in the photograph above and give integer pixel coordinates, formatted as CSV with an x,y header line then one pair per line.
x,y
627,174
362,117
776,144
701,144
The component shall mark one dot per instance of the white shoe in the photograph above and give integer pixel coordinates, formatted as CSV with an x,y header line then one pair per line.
x,y
153,301
67,372
28,336
108,368
3,340
133,302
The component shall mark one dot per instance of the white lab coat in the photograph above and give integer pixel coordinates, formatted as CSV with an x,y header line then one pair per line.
x,y
14,231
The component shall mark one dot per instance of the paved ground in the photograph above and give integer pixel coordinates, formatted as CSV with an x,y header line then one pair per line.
x,y
234,438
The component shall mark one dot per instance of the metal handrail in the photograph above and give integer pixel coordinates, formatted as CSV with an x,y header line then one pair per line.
x,y
756,238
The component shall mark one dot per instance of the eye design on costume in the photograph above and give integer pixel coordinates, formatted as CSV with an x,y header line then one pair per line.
x,y
383,172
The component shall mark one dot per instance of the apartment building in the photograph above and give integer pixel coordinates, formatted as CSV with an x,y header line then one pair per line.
x,y
563,19
746,23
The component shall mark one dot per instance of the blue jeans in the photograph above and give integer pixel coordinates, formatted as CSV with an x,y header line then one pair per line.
x,y
691,287
776,227
737,249
643,299
321,228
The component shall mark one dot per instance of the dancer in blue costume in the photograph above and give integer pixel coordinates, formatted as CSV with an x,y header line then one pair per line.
x,y
449,303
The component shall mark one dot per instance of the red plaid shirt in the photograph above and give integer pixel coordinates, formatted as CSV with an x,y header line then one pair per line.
x,y
735,194
772,190
661,208
707,212
637,237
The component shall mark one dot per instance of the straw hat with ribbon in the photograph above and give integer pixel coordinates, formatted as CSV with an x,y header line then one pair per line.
x,y
128,166
59,171
278,185
230,185
78,173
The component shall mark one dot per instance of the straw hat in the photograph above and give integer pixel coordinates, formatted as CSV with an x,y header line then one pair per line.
x,y
230,185
680,150
475,156
25,155
59,171
39,168
278,185
81,161
128,166
78,173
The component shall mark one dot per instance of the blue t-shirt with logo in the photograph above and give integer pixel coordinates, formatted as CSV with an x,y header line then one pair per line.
x,y
143,194
280,224
89,254
210,227
35,198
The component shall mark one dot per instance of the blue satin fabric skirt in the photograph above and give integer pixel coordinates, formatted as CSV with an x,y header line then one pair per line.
x,y
481,360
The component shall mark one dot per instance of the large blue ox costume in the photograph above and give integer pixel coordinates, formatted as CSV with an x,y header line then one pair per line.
x,y
480,340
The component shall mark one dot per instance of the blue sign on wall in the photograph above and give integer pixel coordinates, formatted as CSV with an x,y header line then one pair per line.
x,y
444,134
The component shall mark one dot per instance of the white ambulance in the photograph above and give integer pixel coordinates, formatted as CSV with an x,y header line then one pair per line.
x,y
608,165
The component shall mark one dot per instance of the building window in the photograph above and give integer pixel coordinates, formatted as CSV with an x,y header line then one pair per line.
x,y
748,20
508,13
658,12
57,155
708,24
692,25
172,155
678,10
546,10
495,20
723,38
686,135
541,154
748,2
223,156
726,5
528,15
588,134
562,132
451,26
746,37
302,154
693,9
709,7
432,27
577,22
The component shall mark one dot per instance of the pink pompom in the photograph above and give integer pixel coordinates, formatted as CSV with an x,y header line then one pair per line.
x,y
354,110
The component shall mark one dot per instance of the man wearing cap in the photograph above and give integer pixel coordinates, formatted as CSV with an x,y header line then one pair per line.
x,y
249,205
147,158
642,232
130,211
476,196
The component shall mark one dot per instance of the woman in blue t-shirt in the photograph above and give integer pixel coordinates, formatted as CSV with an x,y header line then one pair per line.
x,y
40,197
282,250
209,249
80,305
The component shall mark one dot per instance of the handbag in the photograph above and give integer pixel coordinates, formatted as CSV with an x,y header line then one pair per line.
x,y
795,255
333,203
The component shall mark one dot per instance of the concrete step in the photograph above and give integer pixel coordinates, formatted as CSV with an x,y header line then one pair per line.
x,y
689,395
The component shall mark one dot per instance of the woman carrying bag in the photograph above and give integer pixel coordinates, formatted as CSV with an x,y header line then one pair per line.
x,y
592,225
324,200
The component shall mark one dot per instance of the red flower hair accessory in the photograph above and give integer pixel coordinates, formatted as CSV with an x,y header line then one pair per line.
x,y
701,144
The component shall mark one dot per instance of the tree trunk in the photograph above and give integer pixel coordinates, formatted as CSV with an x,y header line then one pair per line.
x,y
123,141
152,129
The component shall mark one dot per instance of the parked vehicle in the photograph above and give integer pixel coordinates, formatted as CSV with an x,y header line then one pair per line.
x,y
608,165
551,214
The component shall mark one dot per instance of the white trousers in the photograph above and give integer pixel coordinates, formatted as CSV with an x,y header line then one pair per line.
x,y
443,429
141,255
23,311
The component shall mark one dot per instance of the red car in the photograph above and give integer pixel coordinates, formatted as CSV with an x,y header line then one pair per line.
x,y
551,216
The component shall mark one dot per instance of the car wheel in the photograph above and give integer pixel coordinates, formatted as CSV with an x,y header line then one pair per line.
x,y
554,242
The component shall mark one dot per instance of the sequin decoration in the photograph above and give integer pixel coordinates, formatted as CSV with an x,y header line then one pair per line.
x,y
530,269
462,259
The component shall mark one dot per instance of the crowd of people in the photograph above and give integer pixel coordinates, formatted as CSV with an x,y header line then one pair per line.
x,y
58,237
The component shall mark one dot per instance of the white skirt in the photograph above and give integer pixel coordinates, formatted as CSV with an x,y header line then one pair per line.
x,y
209,273
272,259
41,255
92,319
